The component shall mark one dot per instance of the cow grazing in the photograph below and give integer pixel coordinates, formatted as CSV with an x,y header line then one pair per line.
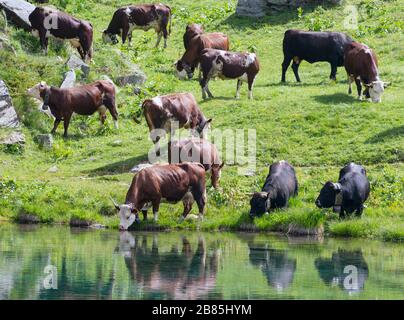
x,y
46,22
144,16
349,193
313,47
191,31
169,182
228,65
161,112
197,150
361,67
84,100
195,42
280,184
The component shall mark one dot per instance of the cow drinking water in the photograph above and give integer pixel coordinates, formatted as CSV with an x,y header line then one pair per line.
x,y
46,22
349,193
171,183
144,16
280,184
228,65
84,100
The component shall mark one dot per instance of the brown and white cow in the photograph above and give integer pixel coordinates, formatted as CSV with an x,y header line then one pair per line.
x,y
162,111
163,183
195,42
144,16
197,150
361,67
84,100
228,65
47,22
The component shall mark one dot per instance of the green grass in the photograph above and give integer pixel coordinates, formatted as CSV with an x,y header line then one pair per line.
x,y
314,125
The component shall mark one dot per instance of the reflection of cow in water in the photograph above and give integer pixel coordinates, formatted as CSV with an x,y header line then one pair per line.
x,y
346,269
176,274
275,265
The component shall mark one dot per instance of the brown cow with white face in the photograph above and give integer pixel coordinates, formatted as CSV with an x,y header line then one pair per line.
x,y
361,67
228,65
163,183
46,22
84,100
195,41
182,108
144,16
197,150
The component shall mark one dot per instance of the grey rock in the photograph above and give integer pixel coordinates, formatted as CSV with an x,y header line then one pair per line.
x,y
13,138
116,143
80,223
53,169
69,80
135,76
44,140
5,44
258,8
137,90
8,116
97,226
25,218
75,62
18,11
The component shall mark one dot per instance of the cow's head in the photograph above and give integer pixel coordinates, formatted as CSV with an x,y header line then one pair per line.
x,y
216,174
327,196
184,70
127,213
202,126
37,90
108,37
260,203
376,89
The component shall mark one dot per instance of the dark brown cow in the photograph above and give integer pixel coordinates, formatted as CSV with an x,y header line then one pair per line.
x,y
187,64
191,31
197,150
361,67
160,113
46,22
228,65
145,17
169,182
84,100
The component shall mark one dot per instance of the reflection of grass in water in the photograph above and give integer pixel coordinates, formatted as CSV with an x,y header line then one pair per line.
x,y
315,125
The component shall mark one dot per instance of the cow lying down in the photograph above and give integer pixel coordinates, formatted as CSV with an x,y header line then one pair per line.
x,y
349,193
163,183
280,184
84,100
197,150
228,65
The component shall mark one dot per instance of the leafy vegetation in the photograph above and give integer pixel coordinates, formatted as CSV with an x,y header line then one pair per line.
x,y
314,125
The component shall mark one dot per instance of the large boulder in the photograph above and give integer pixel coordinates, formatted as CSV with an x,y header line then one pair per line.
x,y
75,62
8,116
13,138
69,79
18,12
258,8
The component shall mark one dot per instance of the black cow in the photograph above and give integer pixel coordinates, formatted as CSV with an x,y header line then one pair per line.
x,y
313,47
280,185
350,192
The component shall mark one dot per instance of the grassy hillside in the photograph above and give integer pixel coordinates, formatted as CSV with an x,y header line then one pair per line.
x,y
314,125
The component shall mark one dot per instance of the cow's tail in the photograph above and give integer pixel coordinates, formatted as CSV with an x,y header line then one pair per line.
x,y
169,19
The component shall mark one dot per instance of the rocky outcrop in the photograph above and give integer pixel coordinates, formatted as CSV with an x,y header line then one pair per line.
x,y
13,138
258,8
18,11
8,116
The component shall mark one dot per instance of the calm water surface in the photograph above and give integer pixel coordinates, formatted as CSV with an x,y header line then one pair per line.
x,y
106,264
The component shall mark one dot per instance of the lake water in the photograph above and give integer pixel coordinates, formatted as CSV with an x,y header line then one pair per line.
x,y
48,262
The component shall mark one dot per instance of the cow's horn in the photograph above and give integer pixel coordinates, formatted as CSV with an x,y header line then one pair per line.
x,y
115,204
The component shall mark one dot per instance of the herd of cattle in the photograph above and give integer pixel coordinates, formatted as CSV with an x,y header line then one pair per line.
x,y
186,181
